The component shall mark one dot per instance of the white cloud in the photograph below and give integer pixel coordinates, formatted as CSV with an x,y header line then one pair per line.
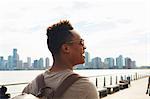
x,y
110,27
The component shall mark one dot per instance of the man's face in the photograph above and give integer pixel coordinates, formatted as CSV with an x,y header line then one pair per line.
x,y
77,47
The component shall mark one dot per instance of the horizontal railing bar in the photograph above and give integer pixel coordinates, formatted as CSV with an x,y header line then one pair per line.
x,y
112,74
11,84
14,84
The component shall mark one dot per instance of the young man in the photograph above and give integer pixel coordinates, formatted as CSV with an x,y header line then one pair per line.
x,y
67,48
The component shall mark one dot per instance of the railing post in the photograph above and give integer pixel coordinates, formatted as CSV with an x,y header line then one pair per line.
x,y
104,81
131,77
110,80
96,82
116,79
136,75
121,77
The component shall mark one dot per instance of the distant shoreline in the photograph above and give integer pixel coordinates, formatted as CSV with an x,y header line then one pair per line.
x,y
74,69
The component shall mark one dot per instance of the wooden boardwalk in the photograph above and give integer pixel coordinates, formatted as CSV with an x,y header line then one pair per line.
x,y
137,90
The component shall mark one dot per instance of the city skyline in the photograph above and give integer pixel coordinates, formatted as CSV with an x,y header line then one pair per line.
x,y
13,62
109,27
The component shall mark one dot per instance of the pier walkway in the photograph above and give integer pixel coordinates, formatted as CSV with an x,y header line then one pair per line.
x,y
137,90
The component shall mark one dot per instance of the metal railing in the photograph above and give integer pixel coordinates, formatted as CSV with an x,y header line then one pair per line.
x,y
98,80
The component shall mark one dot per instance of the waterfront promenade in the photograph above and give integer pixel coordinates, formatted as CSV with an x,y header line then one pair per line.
x,y
137,90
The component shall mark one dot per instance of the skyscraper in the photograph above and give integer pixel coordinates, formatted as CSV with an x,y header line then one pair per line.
x,y
87,60
119,62
1,62
35,64
10,62
15,58
128,62
133,64
47,62
96,63
29,61
110,62
41,63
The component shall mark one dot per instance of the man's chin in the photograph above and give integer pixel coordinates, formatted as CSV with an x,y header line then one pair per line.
x,y
80,63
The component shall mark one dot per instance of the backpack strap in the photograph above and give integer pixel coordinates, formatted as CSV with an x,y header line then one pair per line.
x,y
40,85
40,81
66,84
43,90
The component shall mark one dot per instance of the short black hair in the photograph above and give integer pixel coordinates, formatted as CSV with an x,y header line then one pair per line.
x,y
58,34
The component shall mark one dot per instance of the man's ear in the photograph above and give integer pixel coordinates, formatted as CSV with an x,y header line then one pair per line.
x,y
65,48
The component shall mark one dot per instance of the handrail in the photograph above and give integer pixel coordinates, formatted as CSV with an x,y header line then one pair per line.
x,y
14,84
96,79
133,73
11,84
95,76
108,75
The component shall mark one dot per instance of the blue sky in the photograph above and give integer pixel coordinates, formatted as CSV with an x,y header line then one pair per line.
x,y
109,27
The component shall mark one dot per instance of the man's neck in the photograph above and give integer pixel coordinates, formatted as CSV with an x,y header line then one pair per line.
x,y
61,63
60,66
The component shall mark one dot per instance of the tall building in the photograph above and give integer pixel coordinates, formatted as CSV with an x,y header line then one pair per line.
x,y
15,58
5,64
87,60
128,63
20,64
29,61
87,57
41,63
2,62
47,62
25,65
35,64
96,63
10,62
133,64
119,62
110,62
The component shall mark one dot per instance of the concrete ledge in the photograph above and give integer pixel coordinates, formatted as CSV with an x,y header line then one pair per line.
x,y
123,85
102,92
112,88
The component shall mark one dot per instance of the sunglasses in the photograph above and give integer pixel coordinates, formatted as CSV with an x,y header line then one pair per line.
x,y
80,41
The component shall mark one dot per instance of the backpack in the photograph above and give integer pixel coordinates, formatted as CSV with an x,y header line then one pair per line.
x,y
48,92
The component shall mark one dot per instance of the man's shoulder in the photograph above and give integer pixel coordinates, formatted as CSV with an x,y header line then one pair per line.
x,y
32,88
83,82
82,88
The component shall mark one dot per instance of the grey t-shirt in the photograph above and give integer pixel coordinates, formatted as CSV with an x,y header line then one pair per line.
x,y
81,89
